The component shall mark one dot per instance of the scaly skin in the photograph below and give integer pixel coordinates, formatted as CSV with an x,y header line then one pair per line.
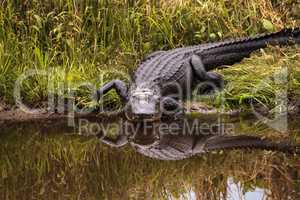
x,y
172,147
164,77
182,143
174,65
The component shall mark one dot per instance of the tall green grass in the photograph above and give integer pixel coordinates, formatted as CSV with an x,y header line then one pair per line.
x,y
260,80
79,41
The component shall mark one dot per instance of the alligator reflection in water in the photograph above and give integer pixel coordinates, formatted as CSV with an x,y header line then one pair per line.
x,y
181,139
47,160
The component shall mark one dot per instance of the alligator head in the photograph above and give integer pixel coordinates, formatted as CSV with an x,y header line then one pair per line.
x,y
144,104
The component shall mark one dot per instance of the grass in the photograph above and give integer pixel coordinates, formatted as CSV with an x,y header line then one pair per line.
x,y
260,80
47,163
94,41
79,42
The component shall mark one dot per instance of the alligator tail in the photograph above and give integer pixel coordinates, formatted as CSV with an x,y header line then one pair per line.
x,y
248,142
232,51
283,37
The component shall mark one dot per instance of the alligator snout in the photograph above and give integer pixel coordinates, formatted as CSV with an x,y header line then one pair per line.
x,y
143,104
144,111
143,107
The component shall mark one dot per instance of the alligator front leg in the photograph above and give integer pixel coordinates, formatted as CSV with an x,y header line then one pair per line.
x,y
172,108
211,80
118,85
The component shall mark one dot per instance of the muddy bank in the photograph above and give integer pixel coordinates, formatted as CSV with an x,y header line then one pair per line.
x,y
13,114
41,115
10,114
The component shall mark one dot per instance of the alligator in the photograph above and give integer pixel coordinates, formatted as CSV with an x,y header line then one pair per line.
x,y
164,78
176,144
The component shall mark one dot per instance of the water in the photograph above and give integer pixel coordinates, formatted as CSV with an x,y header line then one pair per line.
x,y
48,160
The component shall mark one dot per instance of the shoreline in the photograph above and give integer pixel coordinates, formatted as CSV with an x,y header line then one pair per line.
x,y
13,115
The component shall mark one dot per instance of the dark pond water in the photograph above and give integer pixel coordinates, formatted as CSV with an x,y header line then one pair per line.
x,y
51,160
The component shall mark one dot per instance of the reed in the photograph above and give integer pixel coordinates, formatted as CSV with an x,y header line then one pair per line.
x,y
79,41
